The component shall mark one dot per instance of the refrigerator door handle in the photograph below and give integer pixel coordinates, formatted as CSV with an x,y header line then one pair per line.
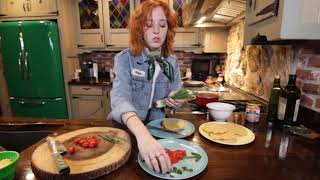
x,y
19,63
26,75
35,103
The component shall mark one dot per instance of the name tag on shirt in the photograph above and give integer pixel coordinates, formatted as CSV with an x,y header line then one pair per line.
x,y
137,72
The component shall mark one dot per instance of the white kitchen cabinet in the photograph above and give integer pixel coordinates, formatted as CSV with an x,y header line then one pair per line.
x,y
102,23
91,102
112,18
215,40
27,8
185,37
276,20
44,6
116,20
89,21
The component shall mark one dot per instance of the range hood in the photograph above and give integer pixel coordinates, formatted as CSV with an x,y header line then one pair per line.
x,y
212,13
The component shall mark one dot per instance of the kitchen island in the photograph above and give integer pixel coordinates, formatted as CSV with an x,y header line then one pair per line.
x,y
274,154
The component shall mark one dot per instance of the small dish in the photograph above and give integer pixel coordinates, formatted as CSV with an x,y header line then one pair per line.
x,y
220,111
191,83
8,171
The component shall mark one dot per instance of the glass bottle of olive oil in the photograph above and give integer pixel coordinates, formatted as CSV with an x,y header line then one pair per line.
x,y
289,101
274,100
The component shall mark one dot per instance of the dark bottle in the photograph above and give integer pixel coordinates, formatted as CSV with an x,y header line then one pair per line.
x,y
289,101
274,100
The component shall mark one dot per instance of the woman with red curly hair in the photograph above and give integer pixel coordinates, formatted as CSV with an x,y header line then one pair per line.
x,y
145,73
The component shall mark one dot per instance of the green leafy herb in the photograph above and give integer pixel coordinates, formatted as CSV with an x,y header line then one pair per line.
x,y
183,93
176,170
195,156
115,140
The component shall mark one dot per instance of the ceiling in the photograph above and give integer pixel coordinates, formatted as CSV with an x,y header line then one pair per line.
x,y
212,12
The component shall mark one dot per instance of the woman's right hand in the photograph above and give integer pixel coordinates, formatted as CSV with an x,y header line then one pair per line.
x,y
151,150
153,153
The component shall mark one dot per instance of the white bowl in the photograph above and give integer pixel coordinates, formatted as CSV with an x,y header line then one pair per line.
x,y
220,111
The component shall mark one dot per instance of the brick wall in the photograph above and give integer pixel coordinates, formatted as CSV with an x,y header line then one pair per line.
x,y
105,58
308,73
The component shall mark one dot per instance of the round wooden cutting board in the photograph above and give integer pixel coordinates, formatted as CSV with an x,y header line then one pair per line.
x,y
85,163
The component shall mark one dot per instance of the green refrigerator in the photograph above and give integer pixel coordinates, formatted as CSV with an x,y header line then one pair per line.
x,y
32,67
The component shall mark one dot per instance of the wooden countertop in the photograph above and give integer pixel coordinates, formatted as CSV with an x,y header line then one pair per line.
x,y
100,82
262,159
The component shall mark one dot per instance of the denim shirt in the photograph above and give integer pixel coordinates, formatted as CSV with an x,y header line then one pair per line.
x,y
131,89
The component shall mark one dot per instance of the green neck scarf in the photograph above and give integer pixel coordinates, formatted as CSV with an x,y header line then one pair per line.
x,y
153,56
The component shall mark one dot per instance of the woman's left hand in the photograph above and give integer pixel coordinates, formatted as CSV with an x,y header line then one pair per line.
x,y
174,103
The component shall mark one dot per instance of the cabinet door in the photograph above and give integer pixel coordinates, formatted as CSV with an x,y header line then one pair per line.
x,y
185,37
44,6
90,107
117,15
215,40
25,8
11,7
89,23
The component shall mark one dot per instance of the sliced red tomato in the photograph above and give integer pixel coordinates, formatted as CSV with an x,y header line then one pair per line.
x,y
175,156
92,144
71,150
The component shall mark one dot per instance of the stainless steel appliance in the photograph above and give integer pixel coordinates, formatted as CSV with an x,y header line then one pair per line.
x,y
203,67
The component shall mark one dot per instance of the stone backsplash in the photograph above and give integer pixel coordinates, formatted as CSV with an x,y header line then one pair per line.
x,y
253,68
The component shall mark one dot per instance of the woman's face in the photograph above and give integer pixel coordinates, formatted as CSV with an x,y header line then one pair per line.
x,y
155,30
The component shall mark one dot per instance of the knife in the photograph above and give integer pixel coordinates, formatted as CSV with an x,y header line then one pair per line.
x,y
56,151
164,130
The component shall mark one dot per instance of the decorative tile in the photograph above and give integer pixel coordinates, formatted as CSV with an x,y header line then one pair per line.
x,y
177,6
119,11
89,14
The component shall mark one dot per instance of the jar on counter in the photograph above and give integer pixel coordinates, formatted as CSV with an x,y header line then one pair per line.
x,y
189,74
253,111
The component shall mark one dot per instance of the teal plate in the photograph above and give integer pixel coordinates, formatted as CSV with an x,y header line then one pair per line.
x,y
187,131
175,144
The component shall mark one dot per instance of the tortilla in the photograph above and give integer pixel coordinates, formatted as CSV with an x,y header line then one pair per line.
x,y
225,132
173,125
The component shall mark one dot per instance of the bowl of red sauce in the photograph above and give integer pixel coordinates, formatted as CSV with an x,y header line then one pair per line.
x,y
203,98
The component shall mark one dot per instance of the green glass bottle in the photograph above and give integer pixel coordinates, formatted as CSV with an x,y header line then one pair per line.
x,y
289,101
274,100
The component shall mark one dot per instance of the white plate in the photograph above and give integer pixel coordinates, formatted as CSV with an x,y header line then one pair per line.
x,y
241,140
193,83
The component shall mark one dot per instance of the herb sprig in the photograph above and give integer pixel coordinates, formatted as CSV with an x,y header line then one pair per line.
x,y
179,171
115,139
194,155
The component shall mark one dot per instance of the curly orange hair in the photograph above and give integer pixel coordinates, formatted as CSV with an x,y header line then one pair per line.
x,y
137,23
